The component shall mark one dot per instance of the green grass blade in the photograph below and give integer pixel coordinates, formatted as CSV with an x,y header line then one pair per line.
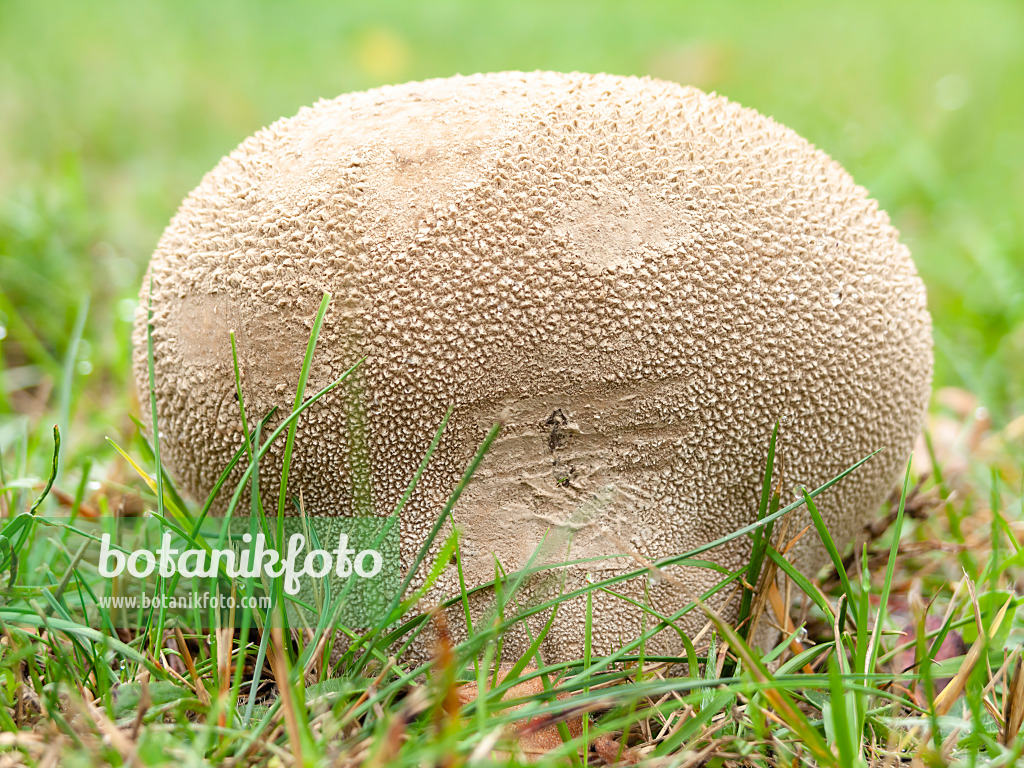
x,y
761,537
300,393
890,569
833,552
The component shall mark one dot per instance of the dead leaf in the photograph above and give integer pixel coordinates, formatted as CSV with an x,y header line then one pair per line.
x,y
538,735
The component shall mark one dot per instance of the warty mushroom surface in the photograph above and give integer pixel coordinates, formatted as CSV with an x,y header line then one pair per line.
x,y
637,278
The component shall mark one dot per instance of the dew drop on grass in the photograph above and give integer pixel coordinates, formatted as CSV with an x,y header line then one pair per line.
x,y
84,367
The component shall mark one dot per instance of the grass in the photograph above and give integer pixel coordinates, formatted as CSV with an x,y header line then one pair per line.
x,y
839,690
111,111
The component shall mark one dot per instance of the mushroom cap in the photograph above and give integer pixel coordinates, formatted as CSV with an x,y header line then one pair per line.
x,y
637,278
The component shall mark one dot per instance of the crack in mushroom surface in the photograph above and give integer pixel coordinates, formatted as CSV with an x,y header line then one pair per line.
x,y
637,278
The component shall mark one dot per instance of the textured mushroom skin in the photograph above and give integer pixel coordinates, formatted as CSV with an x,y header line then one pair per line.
x,y
639,279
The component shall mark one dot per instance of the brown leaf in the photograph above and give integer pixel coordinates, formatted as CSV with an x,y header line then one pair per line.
x,y
538,735
613,753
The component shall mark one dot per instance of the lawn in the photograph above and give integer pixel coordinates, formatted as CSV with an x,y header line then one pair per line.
x,y
110,112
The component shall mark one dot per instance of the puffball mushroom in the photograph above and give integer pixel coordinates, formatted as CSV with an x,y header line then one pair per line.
x,y
638,279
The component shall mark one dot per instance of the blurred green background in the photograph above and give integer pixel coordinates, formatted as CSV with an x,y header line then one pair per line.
x,y
111,111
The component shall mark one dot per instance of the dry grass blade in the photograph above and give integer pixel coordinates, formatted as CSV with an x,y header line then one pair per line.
x,y
387,750
1013,705
784,620
276,655
114,735
944,701
190,665
145,702
225,638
